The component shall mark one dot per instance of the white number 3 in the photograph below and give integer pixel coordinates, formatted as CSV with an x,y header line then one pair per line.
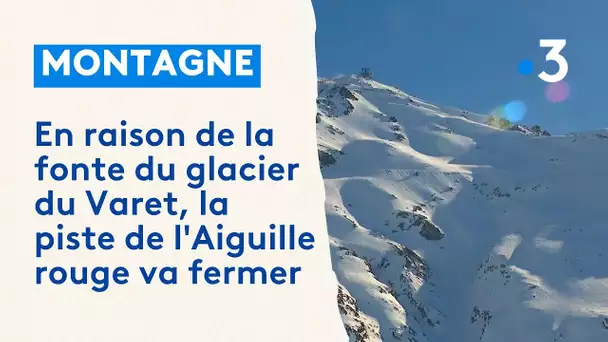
x,y
556,45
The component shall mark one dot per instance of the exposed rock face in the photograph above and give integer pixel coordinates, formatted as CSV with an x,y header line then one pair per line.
x,y
427,229
534,130
356,325
334,100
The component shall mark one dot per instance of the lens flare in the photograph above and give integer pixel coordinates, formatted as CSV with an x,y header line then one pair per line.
x,y
499,112
515,111
557,92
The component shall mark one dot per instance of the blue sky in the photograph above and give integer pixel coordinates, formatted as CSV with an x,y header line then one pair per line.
x,y
465,53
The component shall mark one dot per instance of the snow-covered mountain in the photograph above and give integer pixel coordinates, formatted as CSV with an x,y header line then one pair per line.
x,y
445,229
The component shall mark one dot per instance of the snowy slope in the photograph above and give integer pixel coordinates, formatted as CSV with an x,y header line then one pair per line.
x,y
444,229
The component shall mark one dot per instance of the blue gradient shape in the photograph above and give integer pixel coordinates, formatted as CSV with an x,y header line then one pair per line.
x,y
525,67
515,111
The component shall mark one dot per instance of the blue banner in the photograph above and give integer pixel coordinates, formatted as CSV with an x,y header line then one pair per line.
x,y
147,66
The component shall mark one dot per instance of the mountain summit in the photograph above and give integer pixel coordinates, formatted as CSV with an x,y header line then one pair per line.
x,y
446,227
